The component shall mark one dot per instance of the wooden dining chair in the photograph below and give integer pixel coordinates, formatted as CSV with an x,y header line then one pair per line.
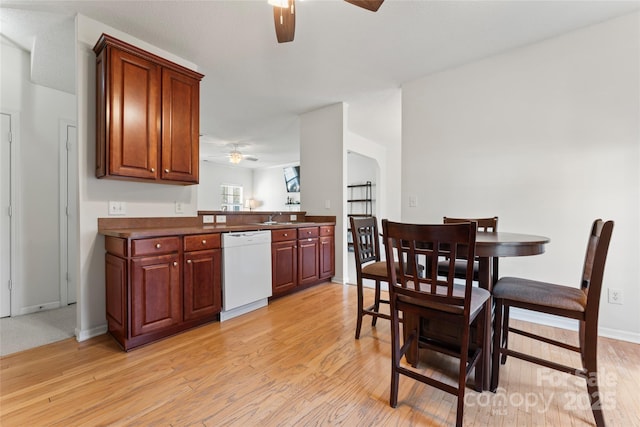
x,y
581,303
427,295
366,247
484,224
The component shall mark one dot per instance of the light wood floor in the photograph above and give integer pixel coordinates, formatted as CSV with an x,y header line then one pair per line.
x,y
295,362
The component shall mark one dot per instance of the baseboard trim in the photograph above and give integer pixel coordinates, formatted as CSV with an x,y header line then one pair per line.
x,y
85,334
38,308
572,325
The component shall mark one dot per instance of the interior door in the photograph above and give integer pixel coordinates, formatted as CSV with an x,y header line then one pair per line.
x,y
69,212
5,216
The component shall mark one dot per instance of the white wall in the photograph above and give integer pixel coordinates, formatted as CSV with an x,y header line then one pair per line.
x,y
270,190
36,205
547,138
213,175
323,171
374,124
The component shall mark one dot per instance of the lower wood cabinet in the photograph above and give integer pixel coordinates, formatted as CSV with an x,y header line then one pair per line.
x,y
155,294
301,257
159,286
202,284
327,252
284,266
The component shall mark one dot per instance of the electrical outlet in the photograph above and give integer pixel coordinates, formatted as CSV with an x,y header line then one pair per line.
x,y
615,296
179,208
221,218
117,208
293,217
413,201
207,219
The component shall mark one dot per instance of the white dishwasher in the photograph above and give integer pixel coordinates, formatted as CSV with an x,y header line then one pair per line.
x,y
246,272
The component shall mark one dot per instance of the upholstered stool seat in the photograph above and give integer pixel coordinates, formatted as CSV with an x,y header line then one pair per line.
x,y
541,293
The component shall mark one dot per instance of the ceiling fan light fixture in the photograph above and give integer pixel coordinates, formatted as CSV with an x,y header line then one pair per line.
x,y
235,157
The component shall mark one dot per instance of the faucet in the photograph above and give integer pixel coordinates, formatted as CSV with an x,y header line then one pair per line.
x,y
271,216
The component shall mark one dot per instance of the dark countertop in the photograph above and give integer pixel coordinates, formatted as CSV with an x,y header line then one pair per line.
x,y
157,231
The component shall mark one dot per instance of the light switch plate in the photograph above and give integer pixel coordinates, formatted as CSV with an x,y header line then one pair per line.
x,y
117,208
207,219
221,218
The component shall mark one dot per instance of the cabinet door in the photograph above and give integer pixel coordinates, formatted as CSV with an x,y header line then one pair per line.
x,y
308,261
202,284
155,293
327,257
284,266
116,295
180,127
134,107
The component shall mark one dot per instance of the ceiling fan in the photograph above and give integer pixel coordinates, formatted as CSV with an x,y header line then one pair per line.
x,y
236,156
284,16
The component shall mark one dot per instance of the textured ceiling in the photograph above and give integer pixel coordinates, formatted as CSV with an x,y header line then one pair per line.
x,y
254,88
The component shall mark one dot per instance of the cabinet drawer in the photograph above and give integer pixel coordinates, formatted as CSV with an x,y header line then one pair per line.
x,y
305,232
201,242
327,230
160,245
283,235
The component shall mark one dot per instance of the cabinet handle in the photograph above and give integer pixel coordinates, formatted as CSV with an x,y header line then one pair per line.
x,y
158,245
188,261
166,171
175,263
286,235
153,169
204,242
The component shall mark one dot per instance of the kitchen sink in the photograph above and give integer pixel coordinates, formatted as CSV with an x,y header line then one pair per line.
x,y
274,223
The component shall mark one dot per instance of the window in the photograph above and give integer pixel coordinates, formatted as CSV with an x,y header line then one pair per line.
x,y
231,199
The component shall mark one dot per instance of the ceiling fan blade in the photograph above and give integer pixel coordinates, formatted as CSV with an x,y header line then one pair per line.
x,y
284,19
372,5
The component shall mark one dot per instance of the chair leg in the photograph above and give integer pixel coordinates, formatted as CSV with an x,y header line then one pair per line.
x,y
581,338
595,399
376,303
462,376
497,345
360,309
410,328
395,358
589,340
505,332
494,272
480,372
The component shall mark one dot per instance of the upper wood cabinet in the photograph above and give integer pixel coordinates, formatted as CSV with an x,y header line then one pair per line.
x,y
147,112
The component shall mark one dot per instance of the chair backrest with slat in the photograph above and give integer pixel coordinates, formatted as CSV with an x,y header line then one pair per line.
x,y
593,269
366,241
419,244
484,224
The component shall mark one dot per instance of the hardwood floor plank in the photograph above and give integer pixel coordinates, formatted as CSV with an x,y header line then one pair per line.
x,y
294,362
